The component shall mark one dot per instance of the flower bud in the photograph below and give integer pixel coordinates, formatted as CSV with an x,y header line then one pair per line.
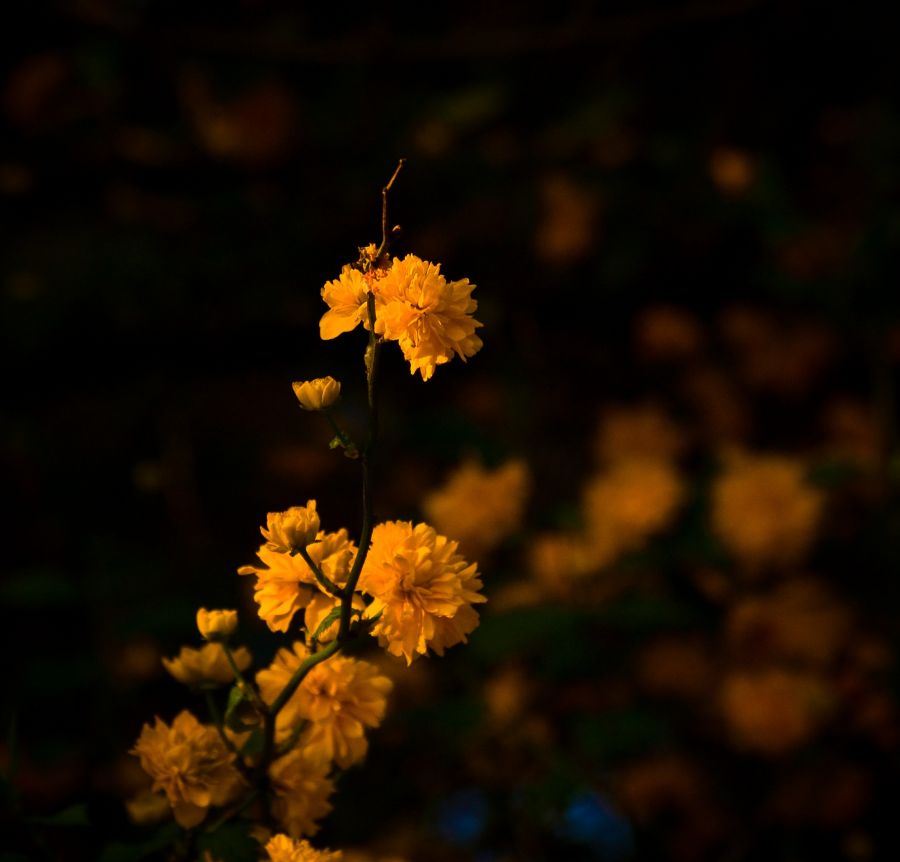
x,y
288,532
216,625
317,394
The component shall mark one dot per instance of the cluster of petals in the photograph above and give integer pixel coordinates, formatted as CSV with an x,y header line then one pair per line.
x,y
765,511
285,584
290,531
338,699
429,317
282,848
209,664
480,507
190,763
422,588
317,394
216,625
301,788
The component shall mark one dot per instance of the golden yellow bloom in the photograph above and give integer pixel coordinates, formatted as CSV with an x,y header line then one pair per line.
x,y
764,511
423,589
317,394
216,625
190,763
339,698
281,848
285,584
774,710
559,560
800,621
644,431
346,301
427,315
207,664
301,786
630,502
291,530
479,508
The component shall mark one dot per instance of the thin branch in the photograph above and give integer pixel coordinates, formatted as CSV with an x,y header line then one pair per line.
x,y
328,585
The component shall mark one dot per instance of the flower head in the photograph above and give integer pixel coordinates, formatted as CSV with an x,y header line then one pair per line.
x,y
764,510
281,848
190,763
301,787
346,301
207,664
216,625
479,507
317,394
430,317
339,698
285,584
422,588
286,532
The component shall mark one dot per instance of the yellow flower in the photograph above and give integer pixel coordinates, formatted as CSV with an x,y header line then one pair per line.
x,y
286,532
286,584
422,588
281,848
191,764
430,317
317,394
147,808
630,502
764,511
216,625
339,698
346,301
301,786
479,507
207,664
638,432
774,710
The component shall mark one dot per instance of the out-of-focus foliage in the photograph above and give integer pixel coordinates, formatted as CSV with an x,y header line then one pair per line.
x,y
682,219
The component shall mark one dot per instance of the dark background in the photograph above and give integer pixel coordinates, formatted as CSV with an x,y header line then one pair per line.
x,y
177,182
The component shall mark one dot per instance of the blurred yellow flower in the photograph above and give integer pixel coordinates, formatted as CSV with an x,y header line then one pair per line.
x,y
667,333
339,699
191,764
317,394
285,584
774,710
346,301
630,502
216,625
423,589
479,508
764,510
281,848
148,807
301,787
559,560
427,315
800,621
286,532
644,431
207,664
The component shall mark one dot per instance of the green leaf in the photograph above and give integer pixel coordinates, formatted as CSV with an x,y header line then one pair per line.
x,y
254,743
74,815
231,842
333,614
165,836
236,698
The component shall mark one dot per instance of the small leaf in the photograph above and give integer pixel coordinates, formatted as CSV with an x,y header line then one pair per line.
x,y
231,842
333,615
236,698
254,744
335,443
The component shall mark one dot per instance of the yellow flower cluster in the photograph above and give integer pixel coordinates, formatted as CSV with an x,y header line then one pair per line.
x,y
191,764
286,584
337,700
206,665
765,511
422,589
281,848
291,531
429,317
478,507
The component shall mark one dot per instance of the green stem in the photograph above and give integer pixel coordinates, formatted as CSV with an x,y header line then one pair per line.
x,y
216,716
349,446
250,691
328,585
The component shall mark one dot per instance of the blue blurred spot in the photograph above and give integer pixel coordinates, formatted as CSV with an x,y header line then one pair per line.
x,y
463,817
590,819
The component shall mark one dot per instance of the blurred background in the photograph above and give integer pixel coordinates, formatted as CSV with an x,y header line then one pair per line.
x,y
675,457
